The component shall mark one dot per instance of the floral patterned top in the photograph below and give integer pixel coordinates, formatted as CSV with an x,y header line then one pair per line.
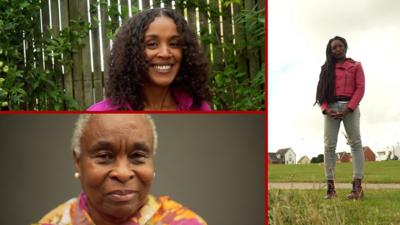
x,y
161,211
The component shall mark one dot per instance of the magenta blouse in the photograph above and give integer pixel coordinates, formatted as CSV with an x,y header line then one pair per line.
x,y
183,99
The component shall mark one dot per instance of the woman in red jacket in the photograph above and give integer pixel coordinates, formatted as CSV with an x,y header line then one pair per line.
x,y
340,89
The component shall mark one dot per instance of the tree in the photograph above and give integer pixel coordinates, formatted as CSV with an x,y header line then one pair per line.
x,y
320,158
314,160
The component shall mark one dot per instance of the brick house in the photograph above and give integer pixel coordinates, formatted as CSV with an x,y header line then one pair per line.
x,y
343,157
369,155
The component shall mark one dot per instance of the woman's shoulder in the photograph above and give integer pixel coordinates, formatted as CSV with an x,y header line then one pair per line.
x,y
352,61
185,101
59,215
104,105
171,212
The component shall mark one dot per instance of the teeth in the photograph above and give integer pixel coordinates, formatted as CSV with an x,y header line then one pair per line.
x,y
162,67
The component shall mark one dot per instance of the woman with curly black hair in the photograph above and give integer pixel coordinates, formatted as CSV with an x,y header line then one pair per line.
x,y
156,63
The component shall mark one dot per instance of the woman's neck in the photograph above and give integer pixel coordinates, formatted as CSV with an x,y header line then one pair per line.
x,y
341,61
102,219
158,98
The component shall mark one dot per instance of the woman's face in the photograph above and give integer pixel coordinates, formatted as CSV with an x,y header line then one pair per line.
x,y
338,49
116,164
163,51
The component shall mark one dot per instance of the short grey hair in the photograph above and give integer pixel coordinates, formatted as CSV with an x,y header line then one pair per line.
x,y
82,121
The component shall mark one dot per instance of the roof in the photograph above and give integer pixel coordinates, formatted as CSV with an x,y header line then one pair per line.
x,y
304,157
283,151
365,148
341,154
273,157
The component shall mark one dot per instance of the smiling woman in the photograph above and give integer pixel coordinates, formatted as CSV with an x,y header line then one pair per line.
x,y
156,64
114,161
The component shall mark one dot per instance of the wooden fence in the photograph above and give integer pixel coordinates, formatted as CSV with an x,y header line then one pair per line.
x,y
86,78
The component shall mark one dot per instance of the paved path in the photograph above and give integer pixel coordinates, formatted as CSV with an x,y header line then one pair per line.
x,y
323,186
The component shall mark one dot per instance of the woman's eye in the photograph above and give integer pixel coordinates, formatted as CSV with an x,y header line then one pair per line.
x,y
175,44
151,44
138,157
104,157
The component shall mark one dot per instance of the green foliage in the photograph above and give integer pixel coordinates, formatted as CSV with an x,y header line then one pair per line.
x,y
234,87
305,207
319,159
25,85
112,11
375,172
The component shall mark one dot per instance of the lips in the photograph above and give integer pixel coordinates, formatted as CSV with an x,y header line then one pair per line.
x,y
121,195
339,54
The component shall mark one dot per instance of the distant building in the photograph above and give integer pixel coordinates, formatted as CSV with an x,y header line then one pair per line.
x,y
304,160
382,155
389,152
282,156
369,155
274,158
343,157
288,155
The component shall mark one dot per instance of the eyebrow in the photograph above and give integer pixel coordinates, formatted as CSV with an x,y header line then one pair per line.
x,y
142,146
107,145
156,36
101,145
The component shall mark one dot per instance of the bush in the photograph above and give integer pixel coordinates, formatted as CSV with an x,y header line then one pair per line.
x,y
25,83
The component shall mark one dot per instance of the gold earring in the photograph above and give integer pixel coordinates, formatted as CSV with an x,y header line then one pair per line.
x,y
76,175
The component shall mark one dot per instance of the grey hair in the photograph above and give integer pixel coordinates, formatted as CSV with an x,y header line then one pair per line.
x,y
82,121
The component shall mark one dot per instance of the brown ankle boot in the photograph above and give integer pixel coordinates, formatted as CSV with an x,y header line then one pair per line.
x,y
331,192
357,192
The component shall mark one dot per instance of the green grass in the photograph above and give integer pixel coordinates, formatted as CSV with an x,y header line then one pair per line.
x,y
375,172
308,207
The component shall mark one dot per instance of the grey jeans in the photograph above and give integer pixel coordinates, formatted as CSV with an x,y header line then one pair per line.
x,y
351,124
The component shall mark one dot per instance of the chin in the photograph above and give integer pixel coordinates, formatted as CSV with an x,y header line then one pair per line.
x,y
123,212
165,82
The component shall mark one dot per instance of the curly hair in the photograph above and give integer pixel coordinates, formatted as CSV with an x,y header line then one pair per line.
x,y
326,83
128,67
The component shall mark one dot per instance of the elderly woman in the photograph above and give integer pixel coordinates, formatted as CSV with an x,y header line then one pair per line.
x,y
114,156
156,64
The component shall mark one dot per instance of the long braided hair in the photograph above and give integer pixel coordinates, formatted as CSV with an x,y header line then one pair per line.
x,y
326,83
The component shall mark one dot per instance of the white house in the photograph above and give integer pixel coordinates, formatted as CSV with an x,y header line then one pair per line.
x,y
288,155
388,152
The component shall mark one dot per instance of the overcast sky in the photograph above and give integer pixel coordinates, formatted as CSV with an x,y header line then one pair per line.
x,y
298,32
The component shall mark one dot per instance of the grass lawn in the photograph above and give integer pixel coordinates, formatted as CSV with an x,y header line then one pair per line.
x,y
375,172
308,207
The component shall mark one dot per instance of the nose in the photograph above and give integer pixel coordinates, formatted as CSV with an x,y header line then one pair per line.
x,y
164,51
122,171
